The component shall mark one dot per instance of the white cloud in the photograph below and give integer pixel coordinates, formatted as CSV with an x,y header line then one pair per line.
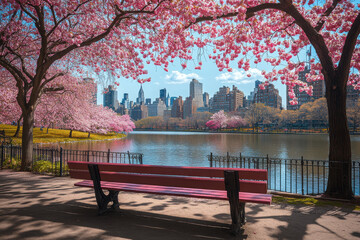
x,y
240,77
180,78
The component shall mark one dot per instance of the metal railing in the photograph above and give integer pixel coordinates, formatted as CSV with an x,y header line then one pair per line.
x,y
54,161
306,177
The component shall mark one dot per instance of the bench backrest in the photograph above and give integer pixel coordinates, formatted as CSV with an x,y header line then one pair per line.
x,y
251,180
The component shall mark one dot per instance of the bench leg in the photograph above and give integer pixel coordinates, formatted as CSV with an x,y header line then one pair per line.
x,y
101,198
237,208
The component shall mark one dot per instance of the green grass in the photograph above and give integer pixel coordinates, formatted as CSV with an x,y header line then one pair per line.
x,y
57,135
314,202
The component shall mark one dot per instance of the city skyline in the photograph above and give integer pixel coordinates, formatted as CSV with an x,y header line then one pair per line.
x,y
152,90
176,80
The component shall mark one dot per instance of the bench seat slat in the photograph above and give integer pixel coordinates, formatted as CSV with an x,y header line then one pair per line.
x,y
178,191
254,174
172,181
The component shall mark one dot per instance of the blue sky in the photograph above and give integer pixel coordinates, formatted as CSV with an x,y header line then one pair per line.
x,y
176,80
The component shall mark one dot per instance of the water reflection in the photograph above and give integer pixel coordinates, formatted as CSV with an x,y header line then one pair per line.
x,y
191,149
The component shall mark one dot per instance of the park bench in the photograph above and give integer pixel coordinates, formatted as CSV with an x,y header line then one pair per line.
x,y
236,185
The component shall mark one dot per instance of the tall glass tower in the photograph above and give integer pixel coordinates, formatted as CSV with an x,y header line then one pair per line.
x,y
196,93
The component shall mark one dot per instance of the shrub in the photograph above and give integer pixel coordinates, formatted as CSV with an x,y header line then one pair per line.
x,y
42,166
12,163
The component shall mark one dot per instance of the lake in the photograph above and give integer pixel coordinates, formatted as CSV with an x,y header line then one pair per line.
x,y
192,148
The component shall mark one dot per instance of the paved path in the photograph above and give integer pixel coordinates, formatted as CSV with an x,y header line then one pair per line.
x,y
43,207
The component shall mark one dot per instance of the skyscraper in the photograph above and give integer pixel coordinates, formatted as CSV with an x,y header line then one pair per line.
x,y
141,99
196,93
268,96
206,99
125,101
177,108
163,94
110,98
219,100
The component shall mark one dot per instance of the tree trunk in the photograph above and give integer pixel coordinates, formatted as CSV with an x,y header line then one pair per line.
x,y
89,134
18,127
339,181
70,134
27,139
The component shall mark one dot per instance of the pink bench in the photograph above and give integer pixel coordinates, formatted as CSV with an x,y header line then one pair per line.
x,y
236,185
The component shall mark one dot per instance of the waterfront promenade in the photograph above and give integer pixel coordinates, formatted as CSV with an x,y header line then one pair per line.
x,y
44,207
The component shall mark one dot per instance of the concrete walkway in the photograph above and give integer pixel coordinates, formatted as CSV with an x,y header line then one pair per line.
x,y
43,207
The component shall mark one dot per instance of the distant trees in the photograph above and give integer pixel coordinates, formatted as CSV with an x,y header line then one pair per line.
x,y
353,113
258,114
220,120
196,121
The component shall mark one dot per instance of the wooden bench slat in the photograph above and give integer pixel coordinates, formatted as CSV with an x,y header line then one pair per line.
x,y
254,174
177,191
172,181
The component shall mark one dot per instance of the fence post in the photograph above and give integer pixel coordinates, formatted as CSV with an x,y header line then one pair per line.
x,y
302,175
52,161
211,159
2,156
61,162
140,158
108,155
128,156
11,151
228,159
88,156
240,160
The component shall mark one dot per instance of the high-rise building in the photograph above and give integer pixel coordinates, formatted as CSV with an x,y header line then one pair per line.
x,y
177,108
94,90
227,100
156,108
235,99
163,94
148,101
268,96
206,99
303,97
250,99
140,99
125,101
189,107
219,100
139,112
110,98
196,93
167,101
172,99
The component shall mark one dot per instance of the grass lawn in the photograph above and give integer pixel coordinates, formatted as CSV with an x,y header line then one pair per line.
x,y
315,202
57,135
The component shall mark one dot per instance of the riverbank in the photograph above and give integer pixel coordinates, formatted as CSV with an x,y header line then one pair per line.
x,y
41,135
304,132
44,207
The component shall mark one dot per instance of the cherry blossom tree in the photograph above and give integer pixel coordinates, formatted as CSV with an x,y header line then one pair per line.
x,y
220,120
275,32
41,40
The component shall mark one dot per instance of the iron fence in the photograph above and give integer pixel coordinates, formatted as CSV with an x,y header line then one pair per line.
x,y
301,176
54,161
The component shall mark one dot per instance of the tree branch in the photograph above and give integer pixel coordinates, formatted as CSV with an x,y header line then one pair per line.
x,y
321,22
349,46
